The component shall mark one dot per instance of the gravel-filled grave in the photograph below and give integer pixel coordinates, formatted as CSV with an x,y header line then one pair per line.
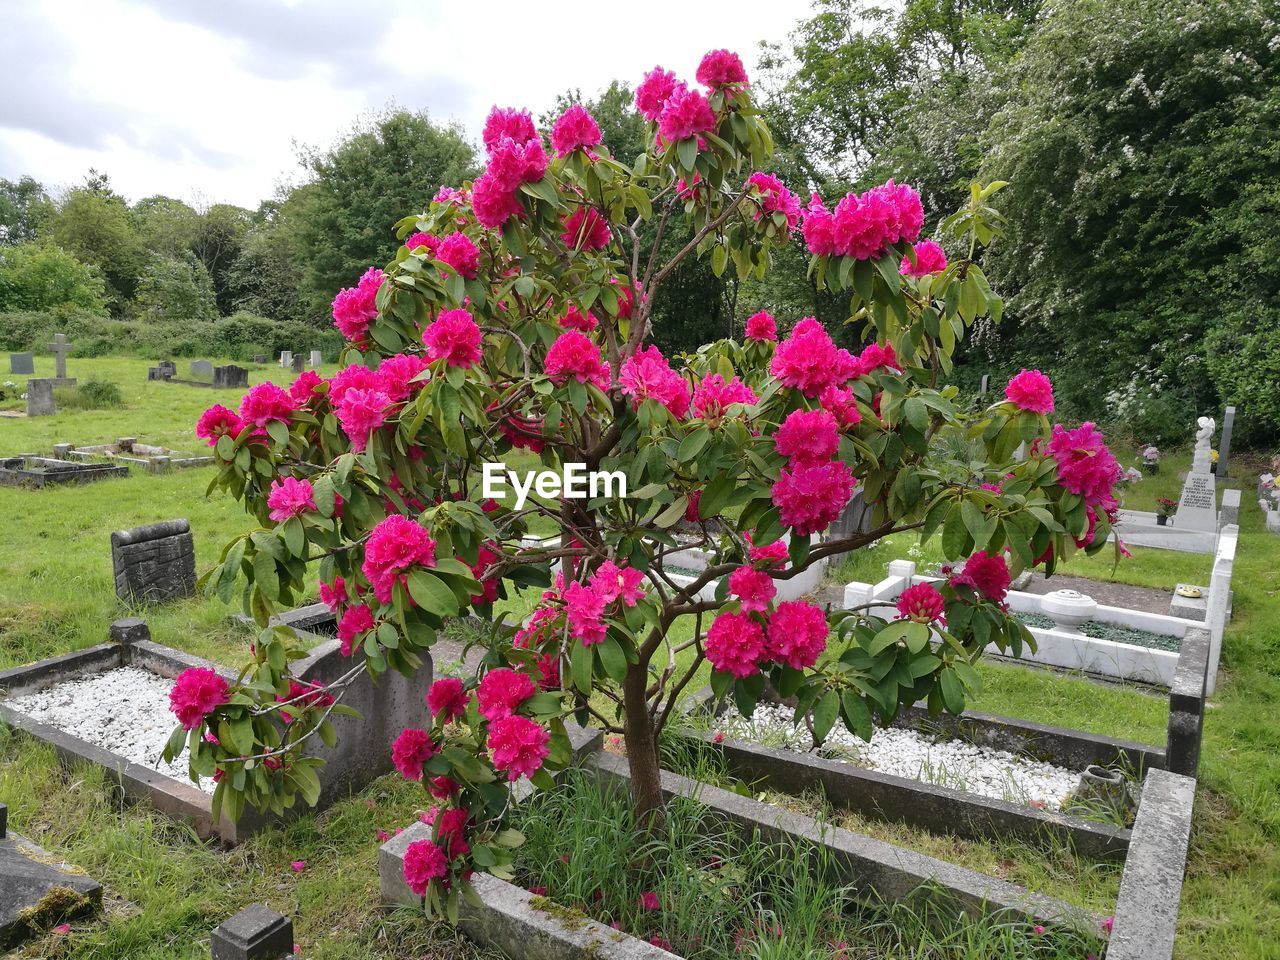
x,y
125,710
919,756
1110,631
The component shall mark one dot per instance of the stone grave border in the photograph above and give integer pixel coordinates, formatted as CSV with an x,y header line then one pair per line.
x,y
1090,655
120,452
16,472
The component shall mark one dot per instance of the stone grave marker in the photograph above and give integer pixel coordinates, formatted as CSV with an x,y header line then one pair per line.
x,y
155,563
986,384
1198,505
854,519
260,358
164,370
22,363
40,398
37,891
286,358
317,359
35,472
60,348
255,933
230,376
296,363
202,370
1224,444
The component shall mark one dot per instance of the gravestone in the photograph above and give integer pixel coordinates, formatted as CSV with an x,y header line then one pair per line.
x,y
37,891
854,519
230,376
317,359
34,472
1198,505
155,563
255,933
286,358
164,370
986,384
202,370
260,358
296,363
40,398
60,348
1224,445
22,363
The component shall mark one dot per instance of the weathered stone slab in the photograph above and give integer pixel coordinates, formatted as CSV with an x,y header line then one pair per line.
x,y
1198,504
202,370
22,363
37,890
317,358
155,563
230,376
255,933
28,470
1224,443
40,398
1187,695
1146,914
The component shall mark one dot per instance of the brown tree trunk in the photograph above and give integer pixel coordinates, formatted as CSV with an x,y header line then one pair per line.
x,y
642,752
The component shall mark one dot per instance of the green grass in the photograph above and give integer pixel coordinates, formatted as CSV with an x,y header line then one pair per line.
x,y
166,889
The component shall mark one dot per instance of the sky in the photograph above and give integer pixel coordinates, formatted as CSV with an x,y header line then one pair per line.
x,y
208,100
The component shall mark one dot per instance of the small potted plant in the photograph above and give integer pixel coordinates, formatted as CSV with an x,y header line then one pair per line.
x,y
1213,458
1150,459
1167,507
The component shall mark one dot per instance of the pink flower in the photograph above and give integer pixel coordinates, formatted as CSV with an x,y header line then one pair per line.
x,y
735,644
930,258
218,421
575,129
685,114
1030,390
350,378
334,596
720,68
841,404
807,436
713,396
297,866
574,355
753,588
921,603
512,163
987,575
1085,465
774,553
451,831
797,634
303,696
290,498
355,307
648,374
62,928
585,229
874,357
508,122
574,319
264,403
395,545
612,582
1107,924
493,203
809,496
661,942
775,198
1038,930
809,360
304,387
584,608
457,251
196,693
454,337
501,691
518,746
654,91
863,226
423,863
416,240
357,620
447,700
396,376
360,412
410,751
691,508
761,326
649,902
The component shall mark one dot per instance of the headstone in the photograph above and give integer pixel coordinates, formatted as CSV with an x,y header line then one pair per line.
x,y
40,398
1224,444
60,348
317,359
255,933
37,891
260,358
202,370
295,363
986,384
854,519
155,563
286,358
1198,505
22,363
230,376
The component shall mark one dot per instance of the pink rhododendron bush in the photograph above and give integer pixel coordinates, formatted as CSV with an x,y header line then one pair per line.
x,y
515,322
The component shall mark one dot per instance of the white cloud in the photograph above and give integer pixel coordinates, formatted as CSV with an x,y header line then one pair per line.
x,y
208,99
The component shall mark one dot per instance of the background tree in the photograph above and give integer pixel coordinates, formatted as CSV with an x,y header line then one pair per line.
x,y
93,223
164,226
42,276
176,289
25,208
220,231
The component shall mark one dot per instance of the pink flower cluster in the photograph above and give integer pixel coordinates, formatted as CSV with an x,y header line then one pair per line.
x,y
354,623
721,68
216,422
810,496
987,575
196,693
455,338
685,114
808,436
655,89
290,497
264,403
501,692
304,388
1030,390
447,699
516,156
304,696
1085,465
713,396
796,636
459,252
574,355
679,111
921,603
575,129
575,319
360,412
423,863
395,545
930,258
355,307
585,229
862,226
761,326
647,374
809,360
586,604
773,197
410,751
518,746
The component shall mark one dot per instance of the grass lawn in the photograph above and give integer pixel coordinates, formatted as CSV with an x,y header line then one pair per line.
x,y
166,890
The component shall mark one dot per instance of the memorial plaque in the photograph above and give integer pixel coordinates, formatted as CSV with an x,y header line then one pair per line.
x,y
1198,505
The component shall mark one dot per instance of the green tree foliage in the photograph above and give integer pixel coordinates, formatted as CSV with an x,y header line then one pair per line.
x,y
24,210
220,231
93,223
1142,144
176,288
165,226
391,163
41,276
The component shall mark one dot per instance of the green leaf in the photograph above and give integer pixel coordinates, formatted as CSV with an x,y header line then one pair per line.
x,y
612,659
857,716
952,690
432,594
692,445
889,635
581,661
824,715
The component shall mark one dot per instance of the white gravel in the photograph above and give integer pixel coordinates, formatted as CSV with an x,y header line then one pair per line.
x,y
918,756
125,710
